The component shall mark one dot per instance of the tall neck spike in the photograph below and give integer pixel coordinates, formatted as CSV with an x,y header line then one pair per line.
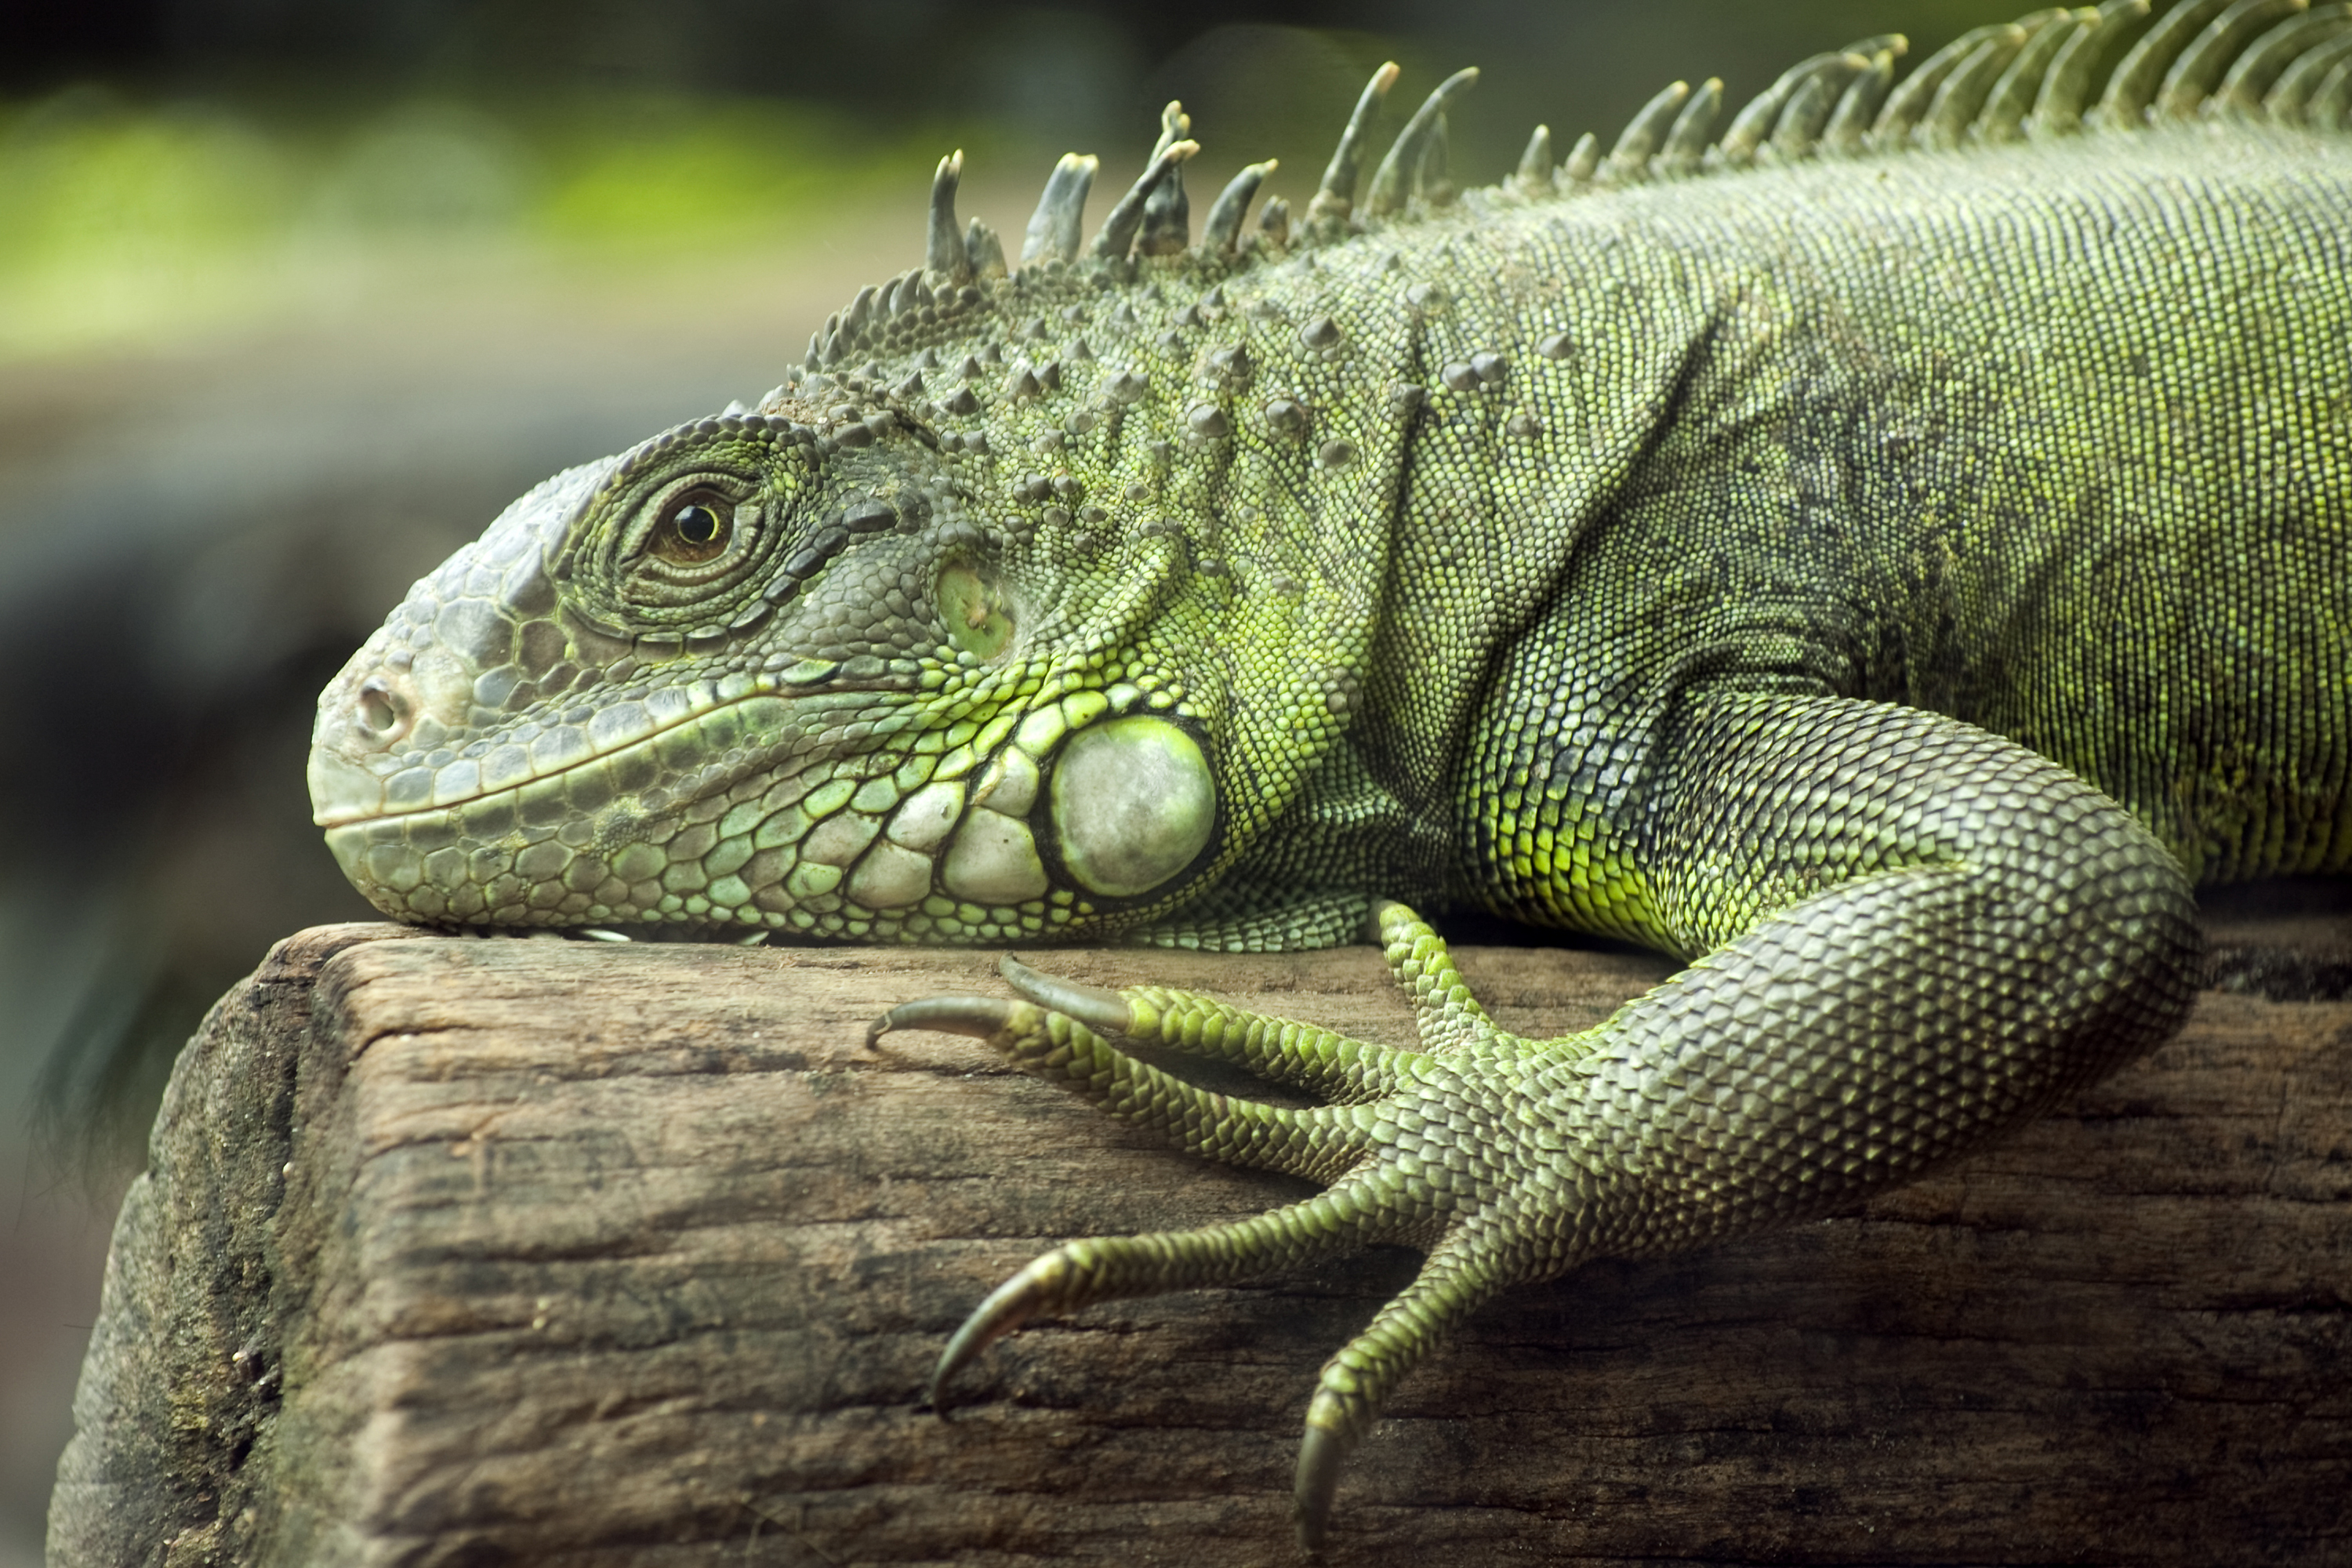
x,y
1335,199
944,248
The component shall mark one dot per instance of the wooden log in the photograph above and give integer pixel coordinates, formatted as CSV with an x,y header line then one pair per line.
x,y
486,1251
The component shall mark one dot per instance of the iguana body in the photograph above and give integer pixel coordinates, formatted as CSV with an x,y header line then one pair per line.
x,y
1771,566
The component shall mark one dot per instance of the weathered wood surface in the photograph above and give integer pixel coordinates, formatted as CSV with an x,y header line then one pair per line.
x,y
473,1252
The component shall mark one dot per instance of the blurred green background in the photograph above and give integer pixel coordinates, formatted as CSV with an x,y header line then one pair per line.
x,y
296,294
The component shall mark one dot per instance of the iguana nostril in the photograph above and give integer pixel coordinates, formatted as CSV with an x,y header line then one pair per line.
x,y
381,715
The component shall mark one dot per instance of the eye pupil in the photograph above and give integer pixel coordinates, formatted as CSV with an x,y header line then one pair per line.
x,y
698,529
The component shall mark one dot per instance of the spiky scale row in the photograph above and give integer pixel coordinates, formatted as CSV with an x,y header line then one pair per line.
x,y
2319,37
2276,60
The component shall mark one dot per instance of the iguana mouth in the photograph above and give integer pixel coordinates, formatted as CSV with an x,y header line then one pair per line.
x,y
343,794
1087,802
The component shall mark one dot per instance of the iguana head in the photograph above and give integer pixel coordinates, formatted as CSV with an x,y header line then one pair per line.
x,y
950,638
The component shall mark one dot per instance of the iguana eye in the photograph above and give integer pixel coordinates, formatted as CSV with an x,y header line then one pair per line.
x,y
691,547
978,620
695,529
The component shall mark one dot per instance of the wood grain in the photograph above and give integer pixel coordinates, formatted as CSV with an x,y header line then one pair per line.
x,y
541,1251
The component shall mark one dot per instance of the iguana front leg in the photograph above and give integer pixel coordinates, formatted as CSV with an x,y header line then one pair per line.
x,y
1915,935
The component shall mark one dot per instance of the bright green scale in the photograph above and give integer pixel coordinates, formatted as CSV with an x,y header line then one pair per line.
x,y
1768,548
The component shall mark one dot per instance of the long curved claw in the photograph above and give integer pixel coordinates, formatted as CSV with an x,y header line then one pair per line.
x,y
1008,1307
1077,1274
1320,1454
1099,1009
979,1016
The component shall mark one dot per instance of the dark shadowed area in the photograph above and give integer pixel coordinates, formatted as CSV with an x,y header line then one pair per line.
x,y
295,295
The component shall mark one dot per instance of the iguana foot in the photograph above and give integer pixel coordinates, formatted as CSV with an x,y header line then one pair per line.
x,y
1492,1210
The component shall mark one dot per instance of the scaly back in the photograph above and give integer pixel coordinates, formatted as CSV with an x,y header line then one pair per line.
x,y
2119,67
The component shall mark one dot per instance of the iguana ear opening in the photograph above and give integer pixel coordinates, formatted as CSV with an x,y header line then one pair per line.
x,y
975,610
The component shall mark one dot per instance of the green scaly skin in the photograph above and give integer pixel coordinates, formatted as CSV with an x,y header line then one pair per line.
x,y
1886,568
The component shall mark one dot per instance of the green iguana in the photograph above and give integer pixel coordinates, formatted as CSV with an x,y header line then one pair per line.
x,y
1883,555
